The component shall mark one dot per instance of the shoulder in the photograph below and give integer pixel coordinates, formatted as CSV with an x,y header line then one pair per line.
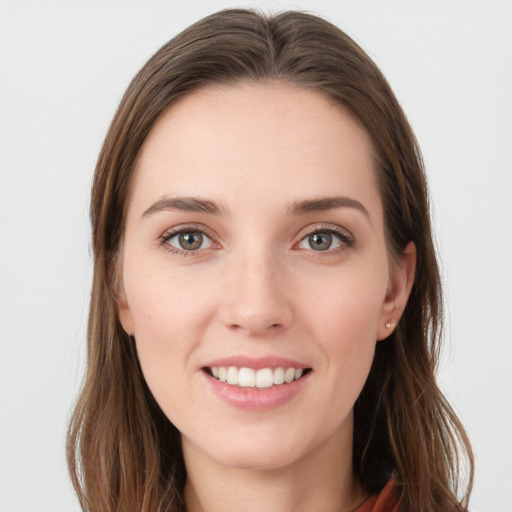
x,y
388,500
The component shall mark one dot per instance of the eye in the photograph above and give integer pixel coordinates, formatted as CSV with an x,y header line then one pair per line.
x,y
325,240
187,240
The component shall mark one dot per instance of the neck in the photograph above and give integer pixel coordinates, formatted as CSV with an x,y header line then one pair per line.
x,y
321,480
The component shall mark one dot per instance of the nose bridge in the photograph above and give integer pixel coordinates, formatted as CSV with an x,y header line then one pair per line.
x,y
256,299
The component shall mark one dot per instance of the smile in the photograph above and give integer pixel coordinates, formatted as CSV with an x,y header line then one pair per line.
x,y
263,378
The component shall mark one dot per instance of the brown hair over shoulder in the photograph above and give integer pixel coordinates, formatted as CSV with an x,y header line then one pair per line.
x,y
124,455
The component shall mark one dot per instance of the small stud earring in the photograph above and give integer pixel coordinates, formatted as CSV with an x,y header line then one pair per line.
x,y
387,325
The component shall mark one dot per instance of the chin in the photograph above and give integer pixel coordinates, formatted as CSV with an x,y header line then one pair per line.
x,y
257,459
256,451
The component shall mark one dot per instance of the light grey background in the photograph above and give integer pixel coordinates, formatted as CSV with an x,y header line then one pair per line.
x,y
63,68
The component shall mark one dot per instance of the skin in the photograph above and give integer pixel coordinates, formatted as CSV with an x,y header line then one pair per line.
x,y
257,287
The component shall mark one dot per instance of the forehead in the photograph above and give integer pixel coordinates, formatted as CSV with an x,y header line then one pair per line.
x,y
255,144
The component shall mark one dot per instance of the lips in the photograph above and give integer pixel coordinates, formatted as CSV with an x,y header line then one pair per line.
x,y
256,383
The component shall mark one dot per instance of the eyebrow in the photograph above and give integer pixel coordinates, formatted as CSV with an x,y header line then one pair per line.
x,y
326,203
185,204
194,204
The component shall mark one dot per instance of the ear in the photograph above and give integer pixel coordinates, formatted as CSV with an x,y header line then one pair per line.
x,y
123,310
400,284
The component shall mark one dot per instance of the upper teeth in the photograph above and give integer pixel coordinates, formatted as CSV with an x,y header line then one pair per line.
x,y
250,378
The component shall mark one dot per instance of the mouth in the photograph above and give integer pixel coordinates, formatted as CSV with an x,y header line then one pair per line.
x,y
263,378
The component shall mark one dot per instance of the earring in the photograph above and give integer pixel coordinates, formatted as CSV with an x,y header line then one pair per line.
x,y
387,325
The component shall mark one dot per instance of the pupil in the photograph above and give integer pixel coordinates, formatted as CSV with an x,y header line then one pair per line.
x,y
190,241
320,242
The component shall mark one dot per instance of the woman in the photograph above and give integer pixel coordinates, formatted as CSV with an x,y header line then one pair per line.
x,y
266,307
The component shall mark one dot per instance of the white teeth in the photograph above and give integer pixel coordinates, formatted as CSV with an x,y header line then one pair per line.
x,y
264,378
289,375
232,375
250,378
278,376
247,378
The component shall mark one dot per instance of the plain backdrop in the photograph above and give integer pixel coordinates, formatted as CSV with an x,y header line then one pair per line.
x,y
63,69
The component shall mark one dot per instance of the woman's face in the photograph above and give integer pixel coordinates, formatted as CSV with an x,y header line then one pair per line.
x,y
254,251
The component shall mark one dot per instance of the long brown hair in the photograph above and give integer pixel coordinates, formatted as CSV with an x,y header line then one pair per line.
x,y
124,454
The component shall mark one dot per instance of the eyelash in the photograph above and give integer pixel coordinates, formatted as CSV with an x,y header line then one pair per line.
x,y
347,240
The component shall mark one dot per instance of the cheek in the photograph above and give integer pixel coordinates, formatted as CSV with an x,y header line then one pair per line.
x,y
168,316
166,326
347,307
344,319
163,302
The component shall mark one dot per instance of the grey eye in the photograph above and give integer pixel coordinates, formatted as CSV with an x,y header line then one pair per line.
x,y
321,241
190,241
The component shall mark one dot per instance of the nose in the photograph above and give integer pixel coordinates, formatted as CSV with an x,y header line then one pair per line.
x,y
256,299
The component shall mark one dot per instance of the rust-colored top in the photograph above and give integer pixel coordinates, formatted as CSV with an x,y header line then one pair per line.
x,y
387,501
